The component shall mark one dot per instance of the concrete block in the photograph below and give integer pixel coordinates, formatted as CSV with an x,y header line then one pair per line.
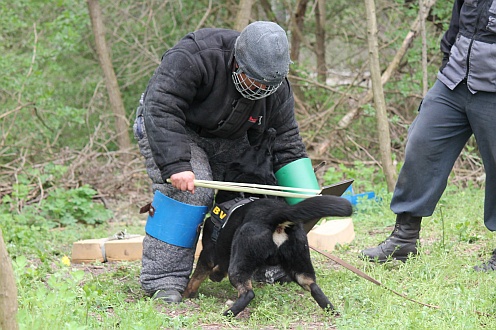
x,y
105,249
329,233
124,249
88,250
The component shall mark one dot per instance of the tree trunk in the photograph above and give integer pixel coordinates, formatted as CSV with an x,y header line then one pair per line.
x,y
297,24
244,14
8,290
414,29
267,9
423,33
320,19
121,122
380,104
296,28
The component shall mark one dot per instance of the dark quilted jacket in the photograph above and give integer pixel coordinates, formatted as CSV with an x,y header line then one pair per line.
x,y
469,46
193,87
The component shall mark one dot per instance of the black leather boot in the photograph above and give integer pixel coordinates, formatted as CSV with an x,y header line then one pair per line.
x,y
168,296
400,244
490,265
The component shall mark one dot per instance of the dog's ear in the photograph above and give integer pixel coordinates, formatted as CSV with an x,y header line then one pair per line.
x,y
270,138
264,150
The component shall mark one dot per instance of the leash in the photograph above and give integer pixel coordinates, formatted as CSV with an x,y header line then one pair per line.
x,y
367,277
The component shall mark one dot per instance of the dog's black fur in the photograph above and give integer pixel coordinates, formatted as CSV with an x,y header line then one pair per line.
x,y
264,232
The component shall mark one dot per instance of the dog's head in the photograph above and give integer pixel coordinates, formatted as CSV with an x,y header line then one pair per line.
x,y
254,166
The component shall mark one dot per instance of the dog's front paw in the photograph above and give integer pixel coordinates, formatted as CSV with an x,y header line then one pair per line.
x,y
332,312
188,293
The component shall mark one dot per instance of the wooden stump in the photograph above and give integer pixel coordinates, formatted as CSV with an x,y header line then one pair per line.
x,y
8,290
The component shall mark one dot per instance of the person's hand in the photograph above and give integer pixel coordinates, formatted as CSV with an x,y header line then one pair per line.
x,y
184,181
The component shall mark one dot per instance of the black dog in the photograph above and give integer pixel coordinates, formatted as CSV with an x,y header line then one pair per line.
x,y
260,232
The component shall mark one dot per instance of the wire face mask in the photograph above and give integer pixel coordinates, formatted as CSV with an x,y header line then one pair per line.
x,y
251,89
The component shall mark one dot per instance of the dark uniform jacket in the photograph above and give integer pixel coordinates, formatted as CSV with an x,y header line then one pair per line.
x,y
193,87
469,46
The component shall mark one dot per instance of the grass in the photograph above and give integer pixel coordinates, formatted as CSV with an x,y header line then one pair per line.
x,y
54,295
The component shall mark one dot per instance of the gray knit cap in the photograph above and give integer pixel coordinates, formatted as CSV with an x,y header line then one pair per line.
x,y
262,52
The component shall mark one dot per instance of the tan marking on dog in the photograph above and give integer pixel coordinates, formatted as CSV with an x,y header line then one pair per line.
x,y
279,236
194,283
304,281
244,287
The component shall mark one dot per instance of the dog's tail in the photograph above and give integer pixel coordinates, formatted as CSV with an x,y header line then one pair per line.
x,y
316,207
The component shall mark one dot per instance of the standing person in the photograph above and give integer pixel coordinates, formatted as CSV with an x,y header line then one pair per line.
x,y
214,94
462,102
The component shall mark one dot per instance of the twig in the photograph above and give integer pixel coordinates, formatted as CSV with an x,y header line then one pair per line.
x,y
204,18
33,60
367,277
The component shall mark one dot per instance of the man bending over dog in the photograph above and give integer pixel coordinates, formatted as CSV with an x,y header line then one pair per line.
x,y
214,94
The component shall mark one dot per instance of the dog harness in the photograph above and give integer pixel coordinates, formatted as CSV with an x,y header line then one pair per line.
x,y
220,213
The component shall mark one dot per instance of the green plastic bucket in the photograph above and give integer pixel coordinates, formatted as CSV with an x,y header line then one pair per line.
x,y
297,174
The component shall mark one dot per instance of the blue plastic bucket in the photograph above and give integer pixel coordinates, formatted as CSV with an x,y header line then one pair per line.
x,y
356,198
174,222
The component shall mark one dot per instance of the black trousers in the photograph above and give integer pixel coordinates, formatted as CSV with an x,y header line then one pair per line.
x,y
446,120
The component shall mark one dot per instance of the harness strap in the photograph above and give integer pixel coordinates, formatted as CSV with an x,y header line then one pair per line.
x,y
220,213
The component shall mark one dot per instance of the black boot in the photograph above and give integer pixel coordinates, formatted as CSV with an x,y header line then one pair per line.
x,y
401,242
168,296
490,265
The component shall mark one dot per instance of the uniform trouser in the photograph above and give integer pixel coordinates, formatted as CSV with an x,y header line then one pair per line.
x,y
166,266
446,120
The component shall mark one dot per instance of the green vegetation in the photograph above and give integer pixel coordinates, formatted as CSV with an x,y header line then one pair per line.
x,y
54,294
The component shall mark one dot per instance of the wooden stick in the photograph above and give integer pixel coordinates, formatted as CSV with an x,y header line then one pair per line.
x,y
263,186
253,190
215,185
